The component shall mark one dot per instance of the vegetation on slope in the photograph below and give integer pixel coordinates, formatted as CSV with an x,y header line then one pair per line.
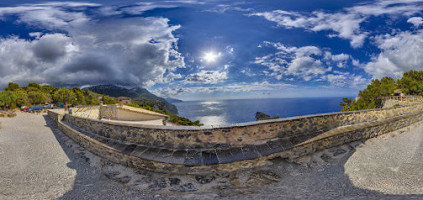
x,y
138,95
411,83
33,94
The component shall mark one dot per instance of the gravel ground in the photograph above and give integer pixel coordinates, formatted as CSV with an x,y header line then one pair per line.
x,y
36,164
42,163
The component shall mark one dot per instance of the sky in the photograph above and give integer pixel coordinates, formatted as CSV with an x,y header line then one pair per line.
x,y
216,49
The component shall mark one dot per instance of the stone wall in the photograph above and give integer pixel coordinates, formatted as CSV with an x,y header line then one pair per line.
x,y
115,112
131,115
389,103
90,112
200,150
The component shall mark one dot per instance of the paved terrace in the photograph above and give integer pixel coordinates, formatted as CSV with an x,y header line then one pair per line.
x,y
40,162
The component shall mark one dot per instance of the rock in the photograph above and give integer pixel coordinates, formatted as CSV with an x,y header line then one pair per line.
x,y
339,151
174,181
221,174
189,187
123,180
262,116
203,179
112,174
158,185
326,157
262,178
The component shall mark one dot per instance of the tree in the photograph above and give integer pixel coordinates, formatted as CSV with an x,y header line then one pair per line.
x,y
48,89
79,96
37,97
411,82
387,86
108,100
371,97
34,85
22,98
93,101
12,86
7,99
90,99
346,104
64,95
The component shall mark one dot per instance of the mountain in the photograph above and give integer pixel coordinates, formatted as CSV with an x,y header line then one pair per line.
x,y
172,100
138,95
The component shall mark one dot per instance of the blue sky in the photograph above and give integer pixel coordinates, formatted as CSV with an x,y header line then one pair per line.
x,y
191,49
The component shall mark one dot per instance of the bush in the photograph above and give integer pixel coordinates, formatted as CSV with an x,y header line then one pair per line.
x,y
184,121
7,99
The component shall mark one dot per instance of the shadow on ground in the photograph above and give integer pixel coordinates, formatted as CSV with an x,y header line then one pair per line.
x,y
90,181
320,176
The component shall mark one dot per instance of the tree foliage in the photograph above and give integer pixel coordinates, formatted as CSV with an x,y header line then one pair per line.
x,y
7,99
411,83
22,98
108,100
34,94
12,86
371,97
64,95
37,97
79,96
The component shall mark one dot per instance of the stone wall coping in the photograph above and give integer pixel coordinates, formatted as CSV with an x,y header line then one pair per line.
x,y
237,125
141,110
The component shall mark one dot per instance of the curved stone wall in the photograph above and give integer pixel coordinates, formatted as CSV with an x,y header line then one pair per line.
x,y
204,149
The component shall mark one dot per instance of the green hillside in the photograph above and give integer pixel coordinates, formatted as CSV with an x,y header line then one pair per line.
x,y
138,95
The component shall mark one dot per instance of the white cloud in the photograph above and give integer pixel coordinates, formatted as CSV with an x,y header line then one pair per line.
x,y
340,60
310,64
345,79
206,77
416,21
344,24
144,49
222,8
248,72
400,52
144,6
231,88
294,61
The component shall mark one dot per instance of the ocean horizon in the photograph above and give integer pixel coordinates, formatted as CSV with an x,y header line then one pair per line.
x,y
233,111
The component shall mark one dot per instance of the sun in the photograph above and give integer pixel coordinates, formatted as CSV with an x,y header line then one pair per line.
x,y
211,56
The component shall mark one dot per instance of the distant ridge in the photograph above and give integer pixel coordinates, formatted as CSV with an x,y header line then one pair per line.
x,y
137,94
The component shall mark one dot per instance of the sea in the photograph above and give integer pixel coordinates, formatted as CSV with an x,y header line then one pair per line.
x,y
230,112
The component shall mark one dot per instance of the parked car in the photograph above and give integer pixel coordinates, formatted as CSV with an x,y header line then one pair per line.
x,y
36,108
60,105
47,106
24,108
